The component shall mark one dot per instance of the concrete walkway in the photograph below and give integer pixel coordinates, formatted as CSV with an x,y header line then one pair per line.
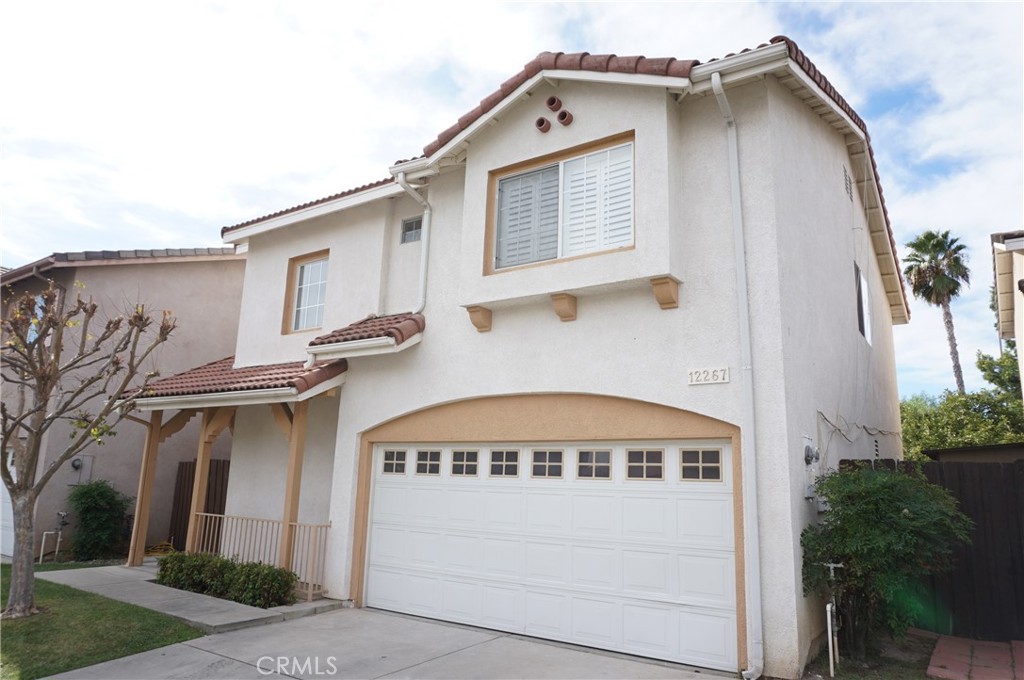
x,y
366,643
342,643
961,659
134,585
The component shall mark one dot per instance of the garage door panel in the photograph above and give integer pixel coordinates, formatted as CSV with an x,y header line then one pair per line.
x,y
596,515
647,574
705,521
547,614
646,518
596,567
547,563
547,513
705,637
501,557
597,622
462,553
638,566
501,607
462,508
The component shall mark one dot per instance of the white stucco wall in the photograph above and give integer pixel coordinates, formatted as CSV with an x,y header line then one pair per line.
x,y
808,355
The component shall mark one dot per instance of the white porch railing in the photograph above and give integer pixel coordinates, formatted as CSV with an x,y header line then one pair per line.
x,y
251,539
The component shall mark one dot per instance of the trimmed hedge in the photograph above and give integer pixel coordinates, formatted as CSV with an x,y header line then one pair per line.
x,y
251,583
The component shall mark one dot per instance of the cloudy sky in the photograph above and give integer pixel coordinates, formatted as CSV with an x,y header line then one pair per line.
x,y
151,125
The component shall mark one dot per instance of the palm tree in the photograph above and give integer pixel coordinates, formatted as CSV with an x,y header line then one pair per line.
x,y
935,269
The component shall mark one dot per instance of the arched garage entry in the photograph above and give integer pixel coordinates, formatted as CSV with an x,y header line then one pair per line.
x,y
591,519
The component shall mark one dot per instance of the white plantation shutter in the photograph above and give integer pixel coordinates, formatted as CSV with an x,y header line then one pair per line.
x,y
527,218
597,201
582,205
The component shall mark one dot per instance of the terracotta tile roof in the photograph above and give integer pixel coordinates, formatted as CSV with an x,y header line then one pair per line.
x,y
219,377
59,260
579,61
401,327
310,204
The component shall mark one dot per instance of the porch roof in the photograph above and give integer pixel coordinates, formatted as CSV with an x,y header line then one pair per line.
x,y
220,383
372,335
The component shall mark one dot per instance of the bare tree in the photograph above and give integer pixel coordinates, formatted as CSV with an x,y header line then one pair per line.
x,y
59,362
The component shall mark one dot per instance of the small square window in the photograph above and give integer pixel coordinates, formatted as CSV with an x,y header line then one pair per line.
x,y
594,464
505,463
428,462
464,463
394,462
547,464
645,464
412,229
701,465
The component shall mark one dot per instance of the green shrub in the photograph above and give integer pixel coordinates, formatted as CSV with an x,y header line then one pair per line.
x,y
99,512
251,583
887,528
262,585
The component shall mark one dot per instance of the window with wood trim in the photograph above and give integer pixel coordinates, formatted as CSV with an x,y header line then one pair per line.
x,y
700,465
564,205
546,464
464,463
428,462
645,464
394,462
306,292
594,464
504,463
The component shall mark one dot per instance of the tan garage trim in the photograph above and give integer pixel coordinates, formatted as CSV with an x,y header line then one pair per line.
x,y
547,417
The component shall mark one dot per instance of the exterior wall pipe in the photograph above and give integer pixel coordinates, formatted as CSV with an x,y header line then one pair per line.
x,y
424,240
752,538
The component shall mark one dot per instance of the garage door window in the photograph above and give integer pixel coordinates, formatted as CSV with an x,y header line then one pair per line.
x,y
701,465
594,464
645,464
428,462
504,463
394,462
547,464
464,463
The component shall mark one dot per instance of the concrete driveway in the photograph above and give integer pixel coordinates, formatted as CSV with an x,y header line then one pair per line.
x,y
363,643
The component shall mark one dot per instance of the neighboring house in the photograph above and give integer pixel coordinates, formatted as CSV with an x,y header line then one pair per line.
x,y
202,288
571,372
1008,263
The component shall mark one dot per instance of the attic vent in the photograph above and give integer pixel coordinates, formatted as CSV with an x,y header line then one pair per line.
x,y
848,183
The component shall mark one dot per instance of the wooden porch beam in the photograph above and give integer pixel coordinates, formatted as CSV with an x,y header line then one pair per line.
x,y
177,423
143,500
214,421
283,416
293,484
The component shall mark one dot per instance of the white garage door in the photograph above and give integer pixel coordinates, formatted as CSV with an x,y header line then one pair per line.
x,y
619,546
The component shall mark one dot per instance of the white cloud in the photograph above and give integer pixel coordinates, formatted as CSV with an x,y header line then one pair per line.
x,y
133,125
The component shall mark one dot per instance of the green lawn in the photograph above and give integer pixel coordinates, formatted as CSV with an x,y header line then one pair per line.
x,y
78,629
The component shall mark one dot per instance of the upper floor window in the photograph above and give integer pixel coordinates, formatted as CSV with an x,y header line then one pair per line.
x,y
412,229
863,304
562,207
307,287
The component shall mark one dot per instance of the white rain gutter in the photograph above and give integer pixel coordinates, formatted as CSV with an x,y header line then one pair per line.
x,y
361,348
751,533
424,241
239,398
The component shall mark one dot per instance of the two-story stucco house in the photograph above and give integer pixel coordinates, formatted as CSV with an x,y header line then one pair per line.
x,y
571,372
178,280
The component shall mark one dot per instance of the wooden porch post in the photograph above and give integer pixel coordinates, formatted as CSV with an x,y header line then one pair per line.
x,y
143,500
214,422
293,484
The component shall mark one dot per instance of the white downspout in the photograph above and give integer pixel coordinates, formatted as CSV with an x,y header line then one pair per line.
x,y
751,533
424,240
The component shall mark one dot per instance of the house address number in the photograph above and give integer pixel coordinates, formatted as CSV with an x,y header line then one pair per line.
x,y
708,376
